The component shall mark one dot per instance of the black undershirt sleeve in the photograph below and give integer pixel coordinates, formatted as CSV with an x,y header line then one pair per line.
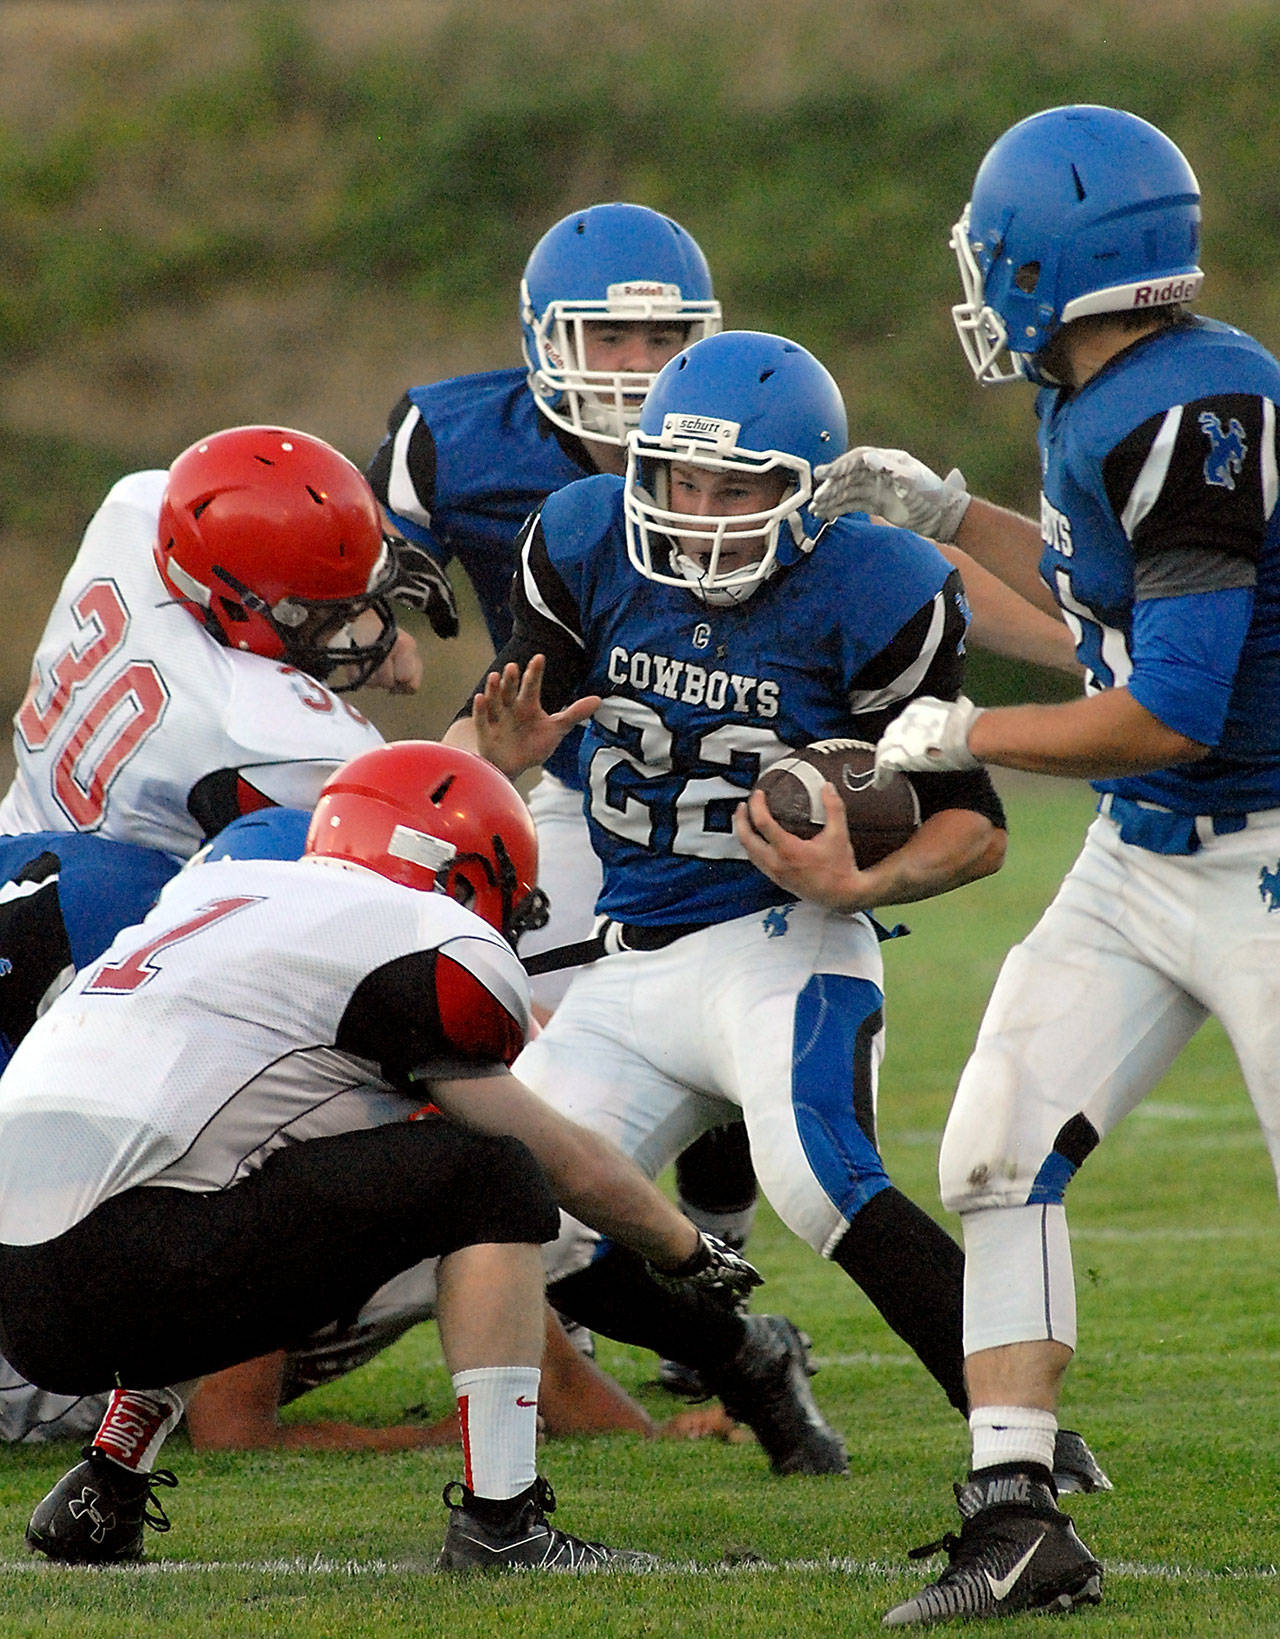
x,y
942,678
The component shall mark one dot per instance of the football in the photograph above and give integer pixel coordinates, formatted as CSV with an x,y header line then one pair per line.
x,y
880,819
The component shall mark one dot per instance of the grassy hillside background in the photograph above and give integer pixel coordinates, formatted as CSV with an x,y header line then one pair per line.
x,y
214,212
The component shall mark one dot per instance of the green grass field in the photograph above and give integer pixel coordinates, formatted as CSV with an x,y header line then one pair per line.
x,y
1174,1229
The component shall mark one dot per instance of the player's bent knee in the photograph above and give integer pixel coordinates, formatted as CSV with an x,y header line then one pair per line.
x,y
979,1160
975,1172
506,1198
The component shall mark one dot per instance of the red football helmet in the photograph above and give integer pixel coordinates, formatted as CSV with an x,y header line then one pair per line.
x,y
432,816
274,542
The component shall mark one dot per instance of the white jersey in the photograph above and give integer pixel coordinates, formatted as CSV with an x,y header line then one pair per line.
x,y
132,704
261,1003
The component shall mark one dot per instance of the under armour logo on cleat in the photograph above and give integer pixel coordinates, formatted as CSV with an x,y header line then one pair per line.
x,y
86,1504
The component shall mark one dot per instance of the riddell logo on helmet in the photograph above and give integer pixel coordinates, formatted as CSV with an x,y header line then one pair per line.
x,y
1183,289
631,288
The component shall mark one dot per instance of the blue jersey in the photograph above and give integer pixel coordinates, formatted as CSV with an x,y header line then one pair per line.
x,y
1162,547
63,898
464,463
698,701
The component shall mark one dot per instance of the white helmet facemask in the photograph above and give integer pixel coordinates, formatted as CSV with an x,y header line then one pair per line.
x,y
603,405
658,537
981,330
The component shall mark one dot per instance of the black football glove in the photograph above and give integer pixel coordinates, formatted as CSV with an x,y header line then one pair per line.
x,y
422,583
715,1268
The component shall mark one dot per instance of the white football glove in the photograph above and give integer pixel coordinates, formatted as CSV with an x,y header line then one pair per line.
x,y
895,485
928,736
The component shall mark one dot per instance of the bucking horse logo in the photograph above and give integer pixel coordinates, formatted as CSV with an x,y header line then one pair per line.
x,y
1269,887
1227,450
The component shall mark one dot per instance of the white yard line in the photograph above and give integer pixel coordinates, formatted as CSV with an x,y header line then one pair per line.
x,y
322,1565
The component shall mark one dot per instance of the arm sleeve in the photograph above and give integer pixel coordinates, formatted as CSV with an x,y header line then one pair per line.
x,y
426,1015
1192,488
925,656
402,475
1186,655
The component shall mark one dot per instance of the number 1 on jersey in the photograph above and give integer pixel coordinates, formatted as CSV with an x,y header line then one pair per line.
x,y
139,967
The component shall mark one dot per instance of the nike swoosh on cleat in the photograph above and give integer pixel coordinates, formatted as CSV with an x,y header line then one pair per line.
x,y
1001,1586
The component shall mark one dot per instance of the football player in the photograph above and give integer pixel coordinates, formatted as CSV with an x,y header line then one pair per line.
x,y
253,1176
183,675
1160,540
65,898
608,295
699,621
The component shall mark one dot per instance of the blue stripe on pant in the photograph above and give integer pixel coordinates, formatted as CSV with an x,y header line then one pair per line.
x,y
832,1089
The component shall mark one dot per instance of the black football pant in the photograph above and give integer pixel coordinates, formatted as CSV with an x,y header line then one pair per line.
x,y
159,1285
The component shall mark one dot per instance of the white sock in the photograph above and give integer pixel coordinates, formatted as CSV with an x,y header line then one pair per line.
x,y
498,1415
1012,1434
732,1228
136,1424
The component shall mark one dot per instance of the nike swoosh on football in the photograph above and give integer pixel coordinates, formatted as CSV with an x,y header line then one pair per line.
x,y
1000,1586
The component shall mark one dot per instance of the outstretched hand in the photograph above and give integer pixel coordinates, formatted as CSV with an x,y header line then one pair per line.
x,y
513,732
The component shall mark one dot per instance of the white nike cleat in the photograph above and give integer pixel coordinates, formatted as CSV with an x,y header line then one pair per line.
x,y
1016,1551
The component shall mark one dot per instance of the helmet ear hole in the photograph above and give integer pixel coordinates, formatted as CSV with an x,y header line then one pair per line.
x,y
457,885
1027,277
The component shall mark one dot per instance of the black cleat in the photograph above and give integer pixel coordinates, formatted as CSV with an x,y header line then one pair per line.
x,y
1075,1468
766,1386
95,1513
682,1380
687,1383
525,1542
1016,1552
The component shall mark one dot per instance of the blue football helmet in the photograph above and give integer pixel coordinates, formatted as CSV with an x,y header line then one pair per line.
x,y
614,263
1074,211
266,833
741,402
